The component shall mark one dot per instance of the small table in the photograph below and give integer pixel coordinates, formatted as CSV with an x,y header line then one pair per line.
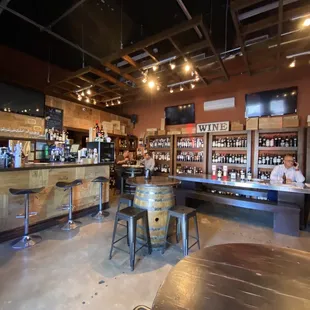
x,y
238,276
156,196
130,171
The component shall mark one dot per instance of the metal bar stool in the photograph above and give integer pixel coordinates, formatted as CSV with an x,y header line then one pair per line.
x,y
182,215
100,215
26,241
131,215
68,186
125,199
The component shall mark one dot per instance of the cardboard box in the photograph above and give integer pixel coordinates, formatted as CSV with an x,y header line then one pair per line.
x,y
270,122
116,125
290,121
117,132
188,130
161,132
174,132
107,127
252,123
236,126
123,129
162,124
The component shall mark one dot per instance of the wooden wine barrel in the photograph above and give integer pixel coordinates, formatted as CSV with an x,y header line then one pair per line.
x,y
157,201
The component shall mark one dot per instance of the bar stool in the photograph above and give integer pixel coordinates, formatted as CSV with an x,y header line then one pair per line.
x,y
26,241
100,215
125,199
68,186
131,215
182,215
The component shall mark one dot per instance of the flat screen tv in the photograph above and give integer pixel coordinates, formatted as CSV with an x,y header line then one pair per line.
x,y
272,102
180,114
16,99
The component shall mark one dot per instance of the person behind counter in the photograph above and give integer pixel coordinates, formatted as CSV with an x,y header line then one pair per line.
x,y
148,161
290,169
120,161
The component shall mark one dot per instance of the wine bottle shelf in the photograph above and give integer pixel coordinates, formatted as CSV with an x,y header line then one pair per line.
x,y
231,165
190,149
266,166
262,148
190,163
160,149
229,149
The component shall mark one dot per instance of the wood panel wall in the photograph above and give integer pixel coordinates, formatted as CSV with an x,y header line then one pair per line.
x,y
47,202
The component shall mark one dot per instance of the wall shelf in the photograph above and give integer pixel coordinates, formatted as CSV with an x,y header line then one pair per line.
x,y
284,149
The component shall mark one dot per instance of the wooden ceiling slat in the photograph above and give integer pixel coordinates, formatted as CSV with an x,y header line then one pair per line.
x,y
240,39
108,77
154,39
241,4
130,61
118,71
218,58
280,27
273,20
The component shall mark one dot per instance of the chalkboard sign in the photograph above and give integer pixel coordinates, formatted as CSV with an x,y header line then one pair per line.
x,y
54,118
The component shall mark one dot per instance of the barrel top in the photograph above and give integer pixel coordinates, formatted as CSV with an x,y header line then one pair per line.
x,y
154,181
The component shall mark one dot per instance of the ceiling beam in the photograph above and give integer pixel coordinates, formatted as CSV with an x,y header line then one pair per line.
x,y
69,11
240,40
218,58
119,72
130,61
4,3
151,54
280,27
241,4
154,39
274,19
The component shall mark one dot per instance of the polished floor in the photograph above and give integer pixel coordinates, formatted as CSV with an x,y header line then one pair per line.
x,y
72,270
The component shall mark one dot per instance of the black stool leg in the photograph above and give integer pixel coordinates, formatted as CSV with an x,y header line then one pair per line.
x,y
132,242
197,232
114,234
185,235
70,225
119,205
101,214
178,224
166,235
26,241
147,233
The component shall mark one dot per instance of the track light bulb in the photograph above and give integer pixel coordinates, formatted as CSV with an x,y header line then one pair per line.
x,y
87,100
181,88
94,102
187,67
193,86
293,64
118,101
197,78
82,93
79,98
307,22
172,66
155,68
151,84
171,90
88,92
158,87
144,80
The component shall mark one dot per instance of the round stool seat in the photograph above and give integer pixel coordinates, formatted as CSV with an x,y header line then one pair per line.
x,y
69,184
15,191
101,180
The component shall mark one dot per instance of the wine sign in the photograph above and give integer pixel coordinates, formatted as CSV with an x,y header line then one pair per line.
x,y
212,127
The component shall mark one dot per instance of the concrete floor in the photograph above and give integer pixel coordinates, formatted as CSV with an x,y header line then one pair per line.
x,y
72,270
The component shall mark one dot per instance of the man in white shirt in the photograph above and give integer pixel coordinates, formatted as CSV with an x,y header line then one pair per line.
x,y
291,171
148,161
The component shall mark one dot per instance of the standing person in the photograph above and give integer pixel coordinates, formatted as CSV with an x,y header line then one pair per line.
x,y
290,169
120,161
148,161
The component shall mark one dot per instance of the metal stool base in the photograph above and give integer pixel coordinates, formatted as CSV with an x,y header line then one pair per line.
x,y
70,225
26,242
100,215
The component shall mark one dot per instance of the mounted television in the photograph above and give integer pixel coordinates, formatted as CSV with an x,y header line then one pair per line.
x,y
21,100
180,114
272,102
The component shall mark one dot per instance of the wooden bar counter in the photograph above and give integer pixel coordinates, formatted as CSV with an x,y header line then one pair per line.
x,y
51,198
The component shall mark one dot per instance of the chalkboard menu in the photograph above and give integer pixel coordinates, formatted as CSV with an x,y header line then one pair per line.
x,y
54,118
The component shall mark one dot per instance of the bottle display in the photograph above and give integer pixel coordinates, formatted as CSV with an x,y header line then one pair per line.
x,y
193,143
161,156
264,175
122,143
188,170
190,156
162,168
160,143
230,142
278,141
229,158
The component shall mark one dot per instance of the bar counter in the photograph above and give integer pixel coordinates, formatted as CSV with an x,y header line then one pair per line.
x,y
47,202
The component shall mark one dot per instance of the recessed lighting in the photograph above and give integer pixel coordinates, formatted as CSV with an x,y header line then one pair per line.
x,y
151,84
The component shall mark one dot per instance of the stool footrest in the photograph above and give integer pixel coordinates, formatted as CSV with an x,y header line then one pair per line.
x,y
20,216
119,239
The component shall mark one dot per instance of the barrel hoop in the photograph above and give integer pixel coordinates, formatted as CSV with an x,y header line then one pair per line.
x,y
151,237
152,209
152,228
154,193
152,199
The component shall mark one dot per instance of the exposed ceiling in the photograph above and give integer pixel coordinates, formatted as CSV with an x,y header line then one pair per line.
x,y
109,44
